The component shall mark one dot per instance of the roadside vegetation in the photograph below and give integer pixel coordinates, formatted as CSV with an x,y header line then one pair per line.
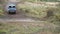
x,y
41,12
1,11
29,28
40,1
33,11
50,14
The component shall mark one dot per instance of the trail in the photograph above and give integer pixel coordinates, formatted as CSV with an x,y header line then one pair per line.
x,y
19,16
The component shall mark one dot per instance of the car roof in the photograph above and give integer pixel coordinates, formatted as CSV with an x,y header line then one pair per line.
x,y
11,5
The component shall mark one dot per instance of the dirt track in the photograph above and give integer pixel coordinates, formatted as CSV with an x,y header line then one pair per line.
x,y
19,15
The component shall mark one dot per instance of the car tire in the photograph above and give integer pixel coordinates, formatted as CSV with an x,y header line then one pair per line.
x,y
12,12
9,12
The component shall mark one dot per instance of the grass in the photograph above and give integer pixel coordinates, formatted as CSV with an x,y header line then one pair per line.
x,y
28,28
50,0
42,12
33,1
1,11
52,25
38,11
18,28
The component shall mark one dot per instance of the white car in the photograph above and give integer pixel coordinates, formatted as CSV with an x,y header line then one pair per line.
x,y
11,9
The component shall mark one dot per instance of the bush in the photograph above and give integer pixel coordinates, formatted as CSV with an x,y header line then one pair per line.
x,y
56,16
50,12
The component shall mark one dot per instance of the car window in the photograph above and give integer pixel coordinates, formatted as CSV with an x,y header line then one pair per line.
x,y
13,6
10,7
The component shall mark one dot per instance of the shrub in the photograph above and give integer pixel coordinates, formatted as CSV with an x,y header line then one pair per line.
x,y
50,12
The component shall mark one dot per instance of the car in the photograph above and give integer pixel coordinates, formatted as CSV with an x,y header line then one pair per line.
x,y
11,9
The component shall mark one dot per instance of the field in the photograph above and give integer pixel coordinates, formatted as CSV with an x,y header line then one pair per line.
x,y
29,28
46,12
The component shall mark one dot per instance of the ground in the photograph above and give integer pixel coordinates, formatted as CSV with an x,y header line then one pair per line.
x,y
28,27
20,23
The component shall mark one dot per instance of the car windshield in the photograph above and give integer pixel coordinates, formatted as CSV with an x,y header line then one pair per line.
x,y
11,6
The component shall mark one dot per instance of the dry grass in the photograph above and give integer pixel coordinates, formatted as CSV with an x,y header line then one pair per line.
x,y
28,28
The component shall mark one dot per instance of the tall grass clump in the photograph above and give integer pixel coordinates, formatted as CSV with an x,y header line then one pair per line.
x,y
32,11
